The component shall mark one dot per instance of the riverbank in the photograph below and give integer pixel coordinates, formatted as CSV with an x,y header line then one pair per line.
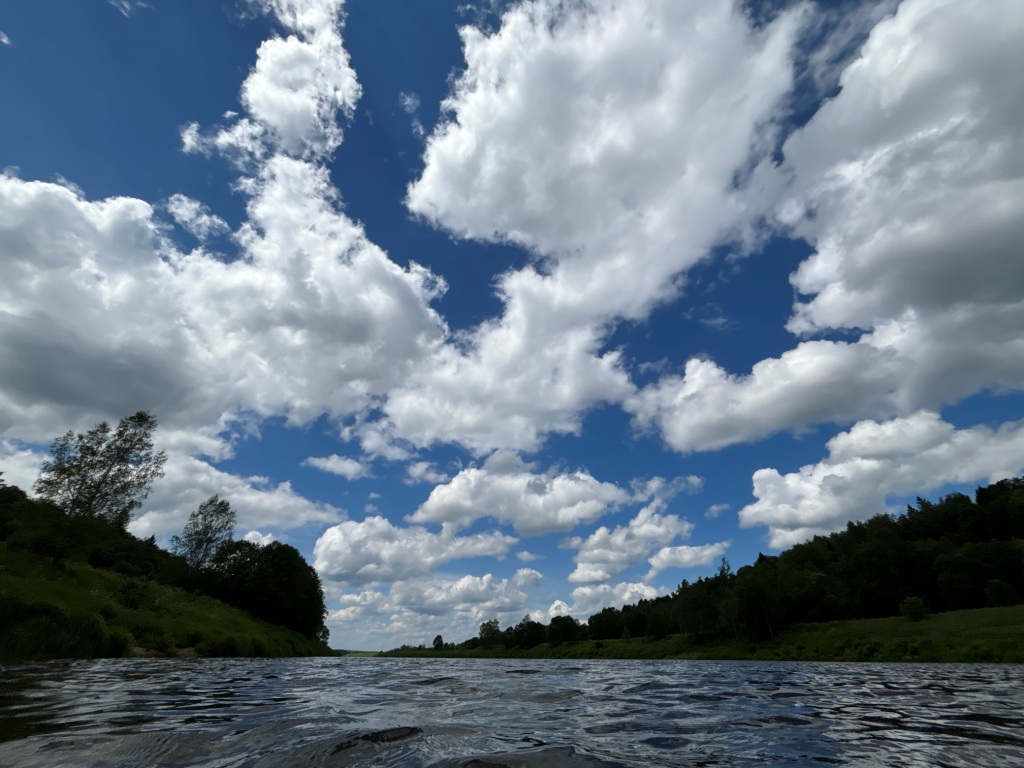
x,y
981,635
72,610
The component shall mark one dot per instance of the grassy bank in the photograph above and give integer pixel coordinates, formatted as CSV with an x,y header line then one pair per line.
x,y
982,635
72,610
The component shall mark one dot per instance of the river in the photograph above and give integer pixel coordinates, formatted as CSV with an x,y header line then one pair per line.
x,y
475,713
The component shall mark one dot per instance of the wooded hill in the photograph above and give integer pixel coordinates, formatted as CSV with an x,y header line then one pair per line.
x,y
954,554
82,586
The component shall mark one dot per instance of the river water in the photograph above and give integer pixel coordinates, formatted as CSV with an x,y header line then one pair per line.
x,y
477,713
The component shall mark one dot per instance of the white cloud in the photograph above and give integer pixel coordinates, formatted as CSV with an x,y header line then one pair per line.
x,y
527,557
347,467
915,454
716,509
423,472
410,102
507,490
128,7
297,87
685,557
909,184
589,599
258,503
422,608
4,39
313,319
194,217
605,139
255,537
374,551
606,553
20,465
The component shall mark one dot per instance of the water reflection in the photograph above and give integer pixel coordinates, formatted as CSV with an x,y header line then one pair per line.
x,y
404,712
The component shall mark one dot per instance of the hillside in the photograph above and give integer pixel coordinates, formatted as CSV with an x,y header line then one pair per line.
x,y
80,588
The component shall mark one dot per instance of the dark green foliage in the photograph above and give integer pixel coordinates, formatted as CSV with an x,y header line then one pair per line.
x,y
273,583
490,633
103,473
913,609
529,633
438,643
42,631
209,528
564,629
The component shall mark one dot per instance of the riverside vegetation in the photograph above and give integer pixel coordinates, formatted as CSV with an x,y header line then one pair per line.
x,y
74,583
942,582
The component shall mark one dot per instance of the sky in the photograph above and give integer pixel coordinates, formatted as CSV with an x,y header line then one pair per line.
x,y
495,308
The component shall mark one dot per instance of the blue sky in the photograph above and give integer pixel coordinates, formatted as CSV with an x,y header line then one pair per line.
x,y
499,308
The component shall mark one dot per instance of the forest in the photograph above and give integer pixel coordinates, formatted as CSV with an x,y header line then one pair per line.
x,y
955,554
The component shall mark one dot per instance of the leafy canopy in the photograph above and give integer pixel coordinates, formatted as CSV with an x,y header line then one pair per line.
x,y
208,529
103,473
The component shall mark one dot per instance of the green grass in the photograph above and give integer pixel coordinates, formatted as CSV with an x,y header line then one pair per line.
x,y
72,610
982,635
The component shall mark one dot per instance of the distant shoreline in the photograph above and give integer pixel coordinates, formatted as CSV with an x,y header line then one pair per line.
x,y
983,635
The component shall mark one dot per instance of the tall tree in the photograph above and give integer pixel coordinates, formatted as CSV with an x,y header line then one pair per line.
x,y
490,633
273,583
103,473
209,528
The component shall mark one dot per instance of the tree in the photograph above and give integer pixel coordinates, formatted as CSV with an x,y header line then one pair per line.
x,y
529,633
913,609
103,473
273,583
490,633
208,529
438,643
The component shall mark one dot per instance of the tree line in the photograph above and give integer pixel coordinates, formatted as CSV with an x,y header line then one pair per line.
x,y
957,553
90,488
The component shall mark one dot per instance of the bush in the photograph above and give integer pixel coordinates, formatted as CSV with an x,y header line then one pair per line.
x,y
913,609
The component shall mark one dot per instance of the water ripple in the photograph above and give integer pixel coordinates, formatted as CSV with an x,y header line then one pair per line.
x,y
463,714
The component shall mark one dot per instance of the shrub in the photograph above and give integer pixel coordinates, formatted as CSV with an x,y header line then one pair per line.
x,y
913,609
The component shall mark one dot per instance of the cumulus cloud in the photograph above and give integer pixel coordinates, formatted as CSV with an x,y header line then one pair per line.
x,y
716,509
593,136
423,607
255,537
591,598
344,466
374,551
874,459
685,556
606,553
507,489
424,472
909,186
194,217
20,465
258,502
101,309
